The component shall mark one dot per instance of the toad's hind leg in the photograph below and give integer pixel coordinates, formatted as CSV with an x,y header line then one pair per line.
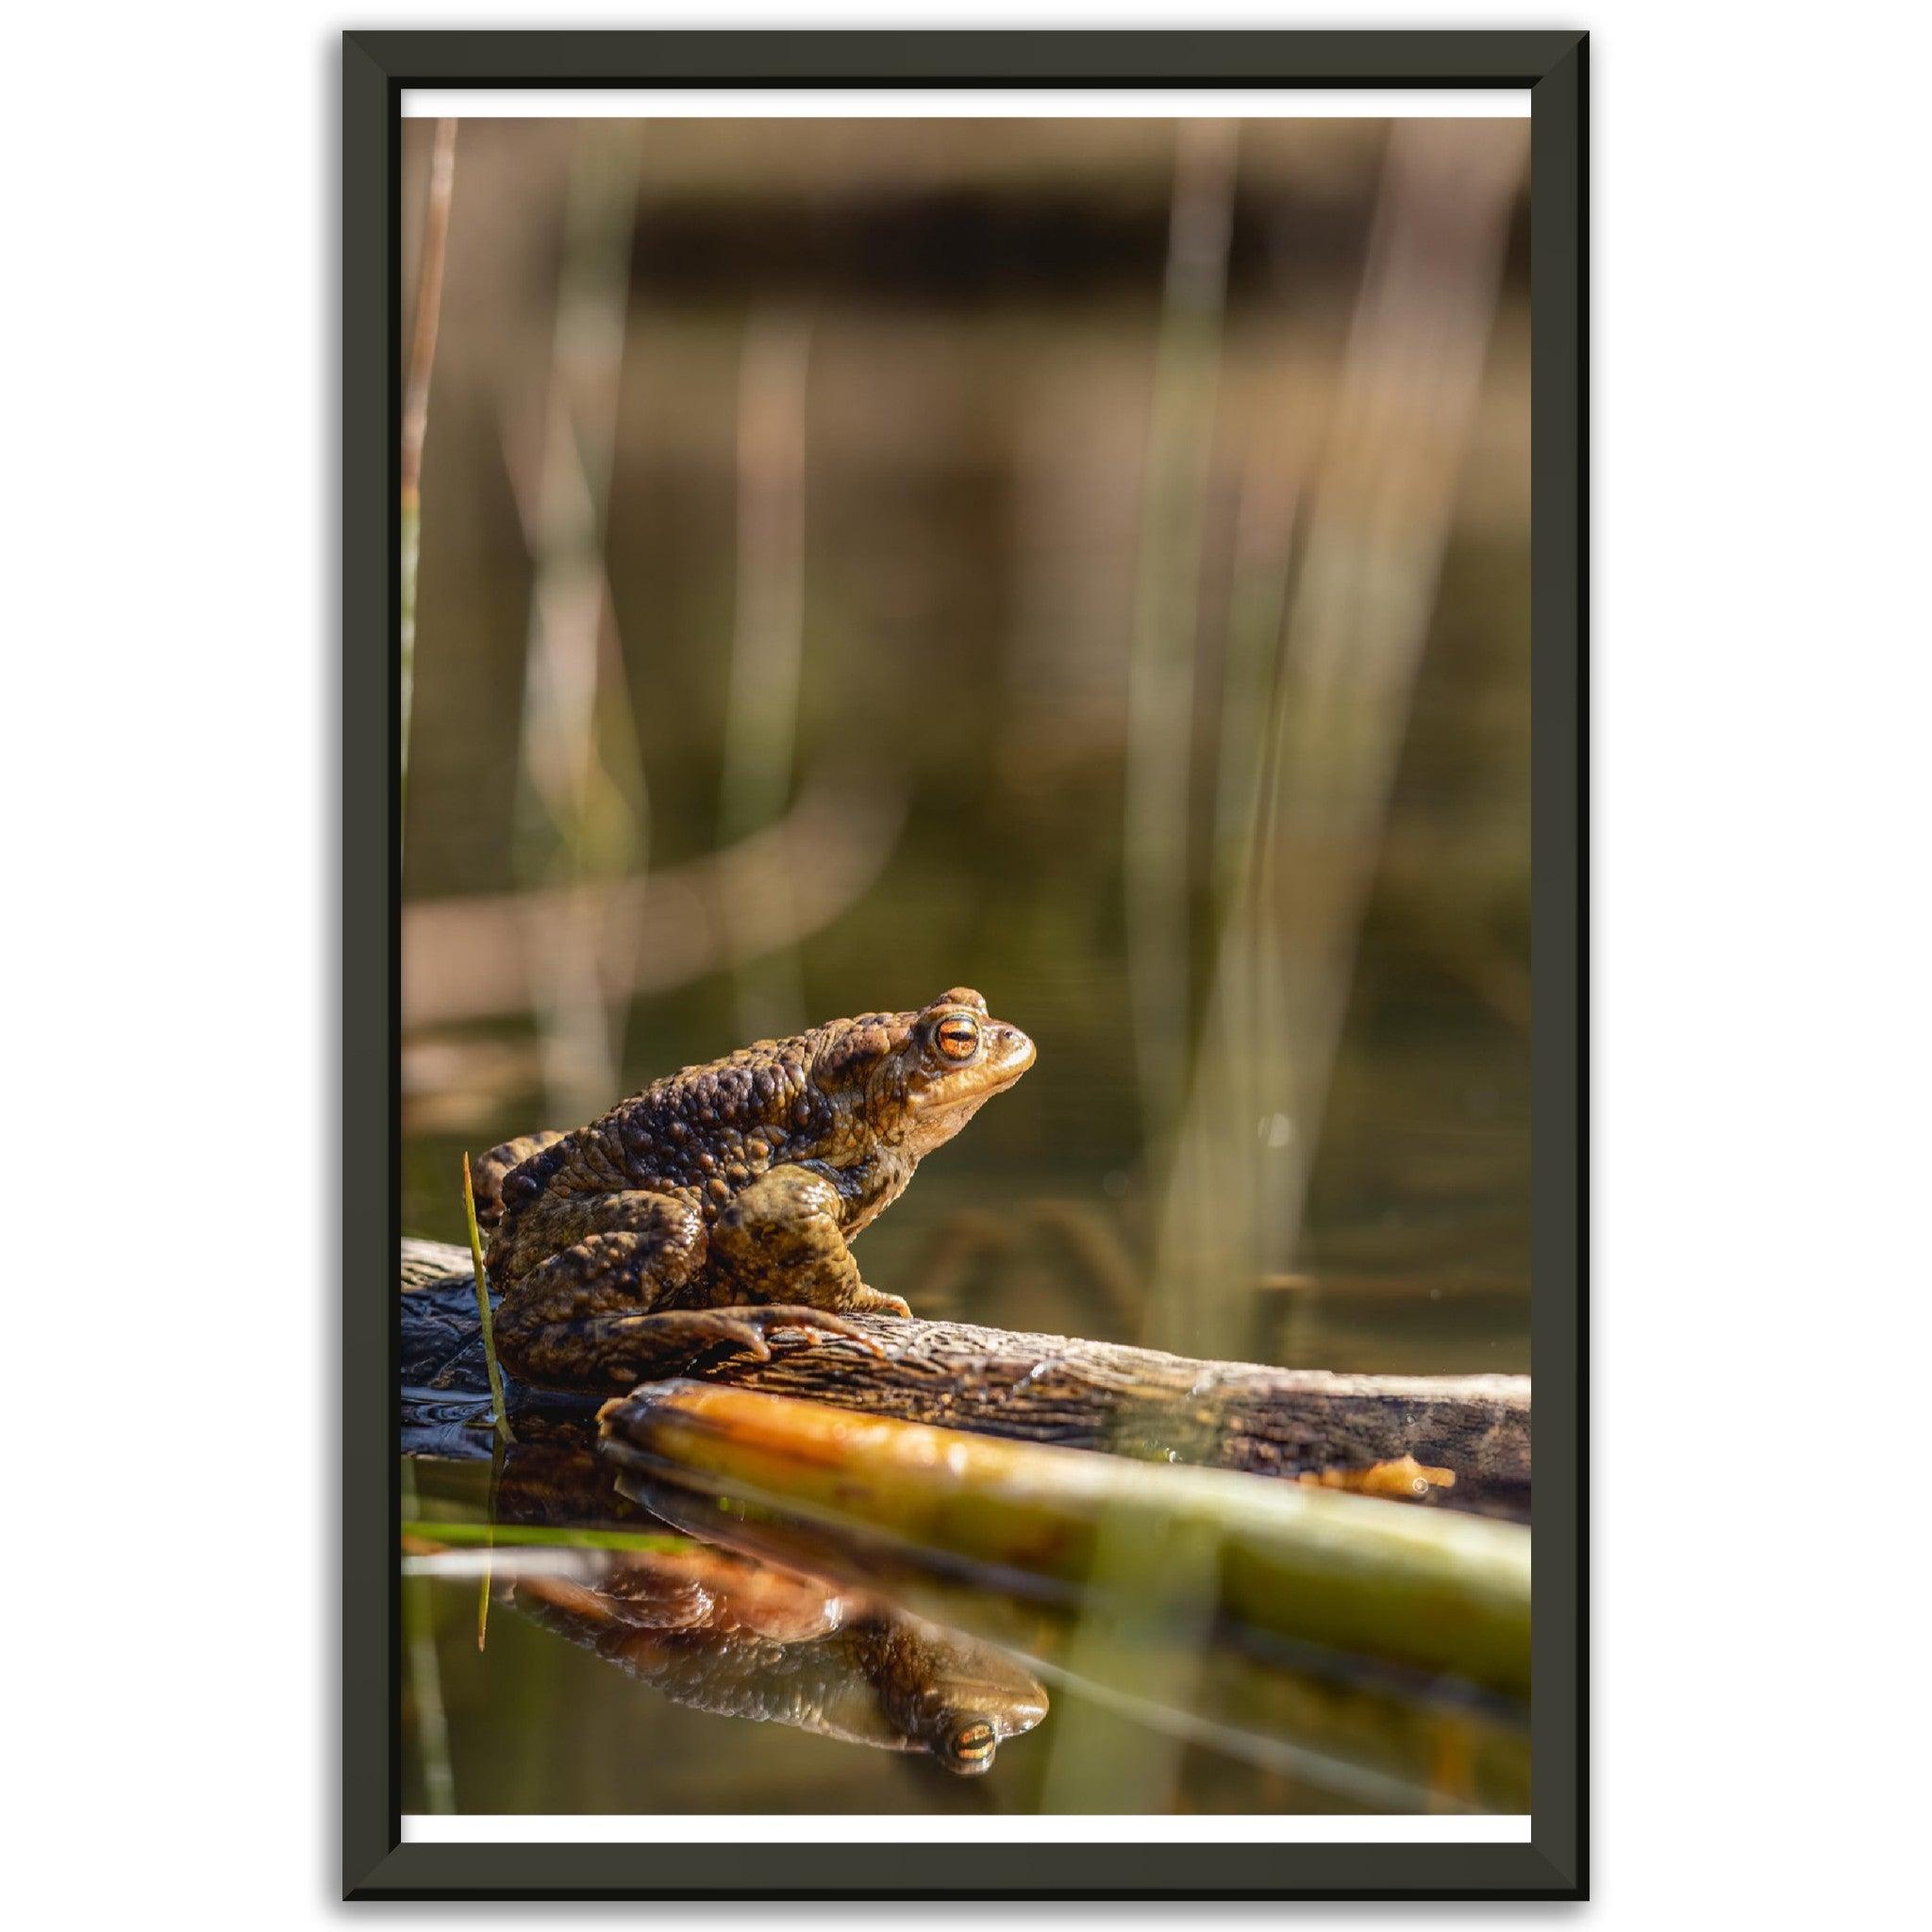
x,y
592,1314
584,1274
779,1240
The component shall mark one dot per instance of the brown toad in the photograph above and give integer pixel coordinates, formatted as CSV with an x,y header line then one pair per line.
x,y
722,1200
717,1631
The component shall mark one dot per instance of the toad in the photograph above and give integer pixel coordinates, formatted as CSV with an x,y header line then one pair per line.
x,y
716,1631
723,1200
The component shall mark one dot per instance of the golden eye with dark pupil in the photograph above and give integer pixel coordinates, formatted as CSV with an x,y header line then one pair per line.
x,y
959,1036
974,1744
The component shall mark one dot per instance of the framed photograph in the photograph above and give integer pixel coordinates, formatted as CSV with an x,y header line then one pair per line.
x,y
976,640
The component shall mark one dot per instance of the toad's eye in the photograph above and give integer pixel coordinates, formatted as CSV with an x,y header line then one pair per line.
x,y
970,1749
958,1036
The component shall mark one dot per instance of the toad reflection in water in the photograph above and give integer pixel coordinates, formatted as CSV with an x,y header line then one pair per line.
x,y
719,1633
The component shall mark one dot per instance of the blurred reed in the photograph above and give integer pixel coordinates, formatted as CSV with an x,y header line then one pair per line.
x,y
589,927
1083,1773
1160,663
434,245
1323,655
760,736
431,1728
1298,863
582,816
1261,570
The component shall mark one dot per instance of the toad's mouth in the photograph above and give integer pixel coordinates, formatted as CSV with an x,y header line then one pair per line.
x,y
1005,1054
937,1107
1008,1055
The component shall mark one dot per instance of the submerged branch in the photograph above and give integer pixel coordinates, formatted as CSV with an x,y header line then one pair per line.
x,y
1345,1575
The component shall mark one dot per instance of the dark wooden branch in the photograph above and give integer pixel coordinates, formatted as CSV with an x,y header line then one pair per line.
x,y
1134,1401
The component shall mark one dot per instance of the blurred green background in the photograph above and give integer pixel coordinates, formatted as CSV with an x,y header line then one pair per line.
x,y
951,518
1083,559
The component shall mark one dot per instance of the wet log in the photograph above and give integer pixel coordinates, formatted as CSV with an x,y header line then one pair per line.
x,y
1069,1392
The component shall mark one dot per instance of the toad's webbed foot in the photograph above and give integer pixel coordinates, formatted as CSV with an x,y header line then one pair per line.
x,y
870,1301
627,1349
749,1324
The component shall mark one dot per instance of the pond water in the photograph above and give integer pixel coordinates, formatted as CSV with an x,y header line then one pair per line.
x,y
629,1668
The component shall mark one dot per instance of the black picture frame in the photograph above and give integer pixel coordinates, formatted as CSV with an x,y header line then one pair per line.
x,y
377,67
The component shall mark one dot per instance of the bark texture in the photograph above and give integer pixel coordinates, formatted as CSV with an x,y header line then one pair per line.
x,y
1103,1395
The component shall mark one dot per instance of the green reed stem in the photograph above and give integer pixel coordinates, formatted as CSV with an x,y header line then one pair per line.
x,y
542,1536
499,1406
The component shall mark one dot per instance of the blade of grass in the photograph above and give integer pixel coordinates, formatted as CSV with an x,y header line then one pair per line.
x,y
499,1406
484,1575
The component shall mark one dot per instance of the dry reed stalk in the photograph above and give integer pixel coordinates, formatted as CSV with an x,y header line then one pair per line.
x,y
1161,682
442,175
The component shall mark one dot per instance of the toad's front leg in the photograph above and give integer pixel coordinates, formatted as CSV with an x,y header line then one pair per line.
x,y
779,1240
